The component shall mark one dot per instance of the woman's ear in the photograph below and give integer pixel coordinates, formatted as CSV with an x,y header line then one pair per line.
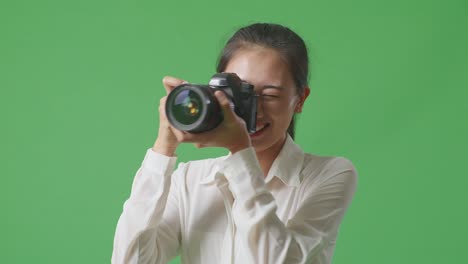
x,y
302,99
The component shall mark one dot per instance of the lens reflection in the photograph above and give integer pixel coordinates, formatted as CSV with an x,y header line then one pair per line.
x,y
187,107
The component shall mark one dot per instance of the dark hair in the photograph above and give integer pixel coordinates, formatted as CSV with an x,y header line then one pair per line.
x,y
280,38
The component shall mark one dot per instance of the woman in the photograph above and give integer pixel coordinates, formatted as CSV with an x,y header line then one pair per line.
x,y
267,201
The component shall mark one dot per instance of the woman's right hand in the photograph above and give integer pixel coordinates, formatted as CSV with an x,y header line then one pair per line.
x,y
166,142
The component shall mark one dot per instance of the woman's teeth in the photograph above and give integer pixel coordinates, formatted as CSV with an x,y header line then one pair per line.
x,y
261,127
258,128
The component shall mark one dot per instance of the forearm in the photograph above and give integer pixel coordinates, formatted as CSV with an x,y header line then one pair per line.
x,y
303,237
143,210
268,240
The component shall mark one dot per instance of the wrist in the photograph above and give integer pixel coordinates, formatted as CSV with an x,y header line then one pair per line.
x,y
162,147
241,143
238,147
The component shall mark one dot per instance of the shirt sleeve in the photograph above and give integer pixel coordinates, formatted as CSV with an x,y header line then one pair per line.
x,y
146,232
263,235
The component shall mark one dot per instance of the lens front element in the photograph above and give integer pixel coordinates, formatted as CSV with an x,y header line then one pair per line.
x,y
193,108
187,107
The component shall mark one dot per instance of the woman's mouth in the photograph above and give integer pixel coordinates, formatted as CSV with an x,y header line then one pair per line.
x,y
259,130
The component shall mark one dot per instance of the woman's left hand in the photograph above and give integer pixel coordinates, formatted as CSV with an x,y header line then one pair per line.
x,y
231,133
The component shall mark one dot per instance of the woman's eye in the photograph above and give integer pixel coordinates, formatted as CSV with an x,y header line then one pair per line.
x,y
269,95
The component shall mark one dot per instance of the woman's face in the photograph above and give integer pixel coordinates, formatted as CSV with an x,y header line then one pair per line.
x,y
264,68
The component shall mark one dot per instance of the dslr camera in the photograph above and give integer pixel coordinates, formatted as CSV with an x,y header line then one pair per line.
x,y
195,109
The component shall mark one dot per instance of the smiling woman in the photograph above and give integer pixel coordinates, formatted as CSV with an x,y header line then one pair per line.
x,y
267,201
270,75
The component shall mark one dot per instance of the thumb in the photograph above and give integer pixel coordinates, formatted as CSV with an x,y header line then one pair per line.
x,y
226,106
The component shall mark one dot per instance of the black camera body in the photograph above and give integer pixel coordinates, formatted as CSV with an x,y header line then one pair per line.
x,y
195,109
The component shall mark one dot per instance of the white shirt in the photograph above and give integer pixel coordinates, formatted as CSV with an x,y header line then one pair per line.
x,y
223,210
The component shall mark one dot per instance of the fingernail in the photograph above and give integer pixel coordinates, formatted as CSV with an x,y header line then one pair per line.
x,y
184,82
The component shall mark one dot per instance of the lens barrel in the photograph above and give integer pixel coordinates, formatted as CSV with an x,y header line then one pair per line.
x,y
193,108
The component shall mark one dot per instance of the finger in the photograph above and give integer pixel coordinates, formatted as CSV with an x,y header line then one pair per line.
x,y
183,136
162,101
226,106
199,145
179,134
197,138
170,83
162,107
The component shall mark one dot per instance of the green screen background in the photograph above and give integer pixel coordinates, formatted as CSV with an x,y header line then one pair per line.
x,y
80,86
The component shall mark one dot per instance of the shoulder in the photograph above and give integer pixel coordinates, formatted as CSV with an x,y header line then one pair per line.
x,y
328,176
318,169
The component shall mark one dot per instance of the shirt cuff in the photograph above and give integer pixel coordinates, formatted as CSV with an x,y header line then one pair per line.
x,y
154,161
243,172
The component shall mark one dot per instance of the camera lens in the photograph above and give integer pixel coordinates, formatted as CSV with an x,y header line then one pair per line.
x,y
187,107
193,108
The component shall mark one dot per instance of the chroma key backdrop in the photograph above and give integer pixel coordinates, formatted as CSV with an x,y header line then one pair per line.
x,y
80,83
